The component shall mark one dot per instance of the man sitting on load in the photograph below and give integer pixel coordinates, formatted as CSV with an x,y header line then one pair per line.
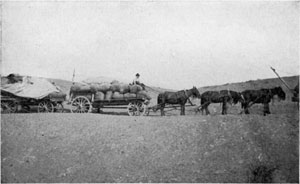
x,y
136,81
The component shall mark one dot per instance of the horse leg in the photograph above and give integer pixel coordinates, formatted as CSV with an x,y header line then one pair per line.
x,y
206,109
162,106
266,109
182,110
224,107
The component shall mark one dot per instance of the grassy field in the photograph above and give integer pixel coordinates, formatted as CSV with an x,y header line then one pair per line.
x,y
114,147
64,147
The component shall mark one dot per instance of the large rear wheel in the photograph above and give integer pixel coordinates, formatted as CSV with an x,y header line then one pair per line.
x,y
81,104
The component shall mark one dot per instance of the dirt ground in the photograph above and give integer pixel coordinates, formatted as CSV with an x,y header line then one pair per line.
x,y
65,147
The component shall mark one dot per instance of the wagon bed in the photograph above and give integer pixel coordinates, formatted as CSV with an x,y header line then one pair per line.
x,y
134,106
10,103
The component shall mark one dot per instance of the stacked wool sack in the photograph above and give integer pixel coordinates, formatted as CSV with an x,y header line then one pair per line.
x,y
113,90
140,93
81,90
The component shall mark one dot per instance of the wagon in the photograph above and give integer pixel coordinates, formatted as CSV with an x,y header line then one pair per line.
x,y
50,103
85,103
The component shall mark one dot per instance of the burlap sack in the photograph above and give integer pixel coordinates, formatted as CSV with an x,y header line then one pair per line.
x,y
115,87
88,96
104,87
80,88
99,96
143,94
118,96
114,82
129,95
108,95
124,88
135,88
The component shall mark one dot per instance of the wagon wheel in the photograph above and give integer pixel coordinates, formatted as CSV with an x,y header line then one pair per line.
x,y
136,109
142,108
45,106
147,111
81,104
8,107
132,109
59,108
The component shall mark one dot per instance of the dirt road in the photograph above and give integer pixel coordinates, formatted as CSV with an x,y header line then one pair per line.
x,y
116,148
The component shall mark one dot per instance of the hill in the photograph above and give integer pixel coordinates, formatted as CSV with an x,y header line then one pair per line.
x,y
292,81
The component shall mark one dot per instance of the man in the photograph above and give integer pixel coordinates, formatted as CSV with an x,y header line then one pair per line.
x,y
137,79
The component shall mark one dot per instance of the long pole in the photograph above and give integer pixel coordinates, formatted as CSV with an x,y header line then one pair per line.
x,y
73,76
281,79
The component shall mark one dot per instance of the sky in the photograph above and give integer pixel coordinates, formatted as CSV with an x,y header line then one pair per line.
x,y
172,44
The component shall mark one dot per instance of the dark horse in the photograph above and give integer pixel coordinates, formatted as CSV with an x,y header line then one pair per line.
x,y
222,96
263,96
179,97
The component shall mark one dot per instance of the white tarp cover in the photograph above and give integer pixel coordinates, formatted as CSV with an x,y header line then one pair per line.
x,y
30,87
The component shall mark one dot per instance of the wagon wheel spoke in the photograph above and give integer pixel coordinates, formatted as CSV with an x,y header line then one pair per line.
x,y
132,109
59,108
8,107
81,104
142,108
45,106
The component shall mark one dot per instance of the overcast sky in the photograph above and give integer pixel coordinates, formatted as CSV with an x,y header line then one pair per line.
x,y
171,44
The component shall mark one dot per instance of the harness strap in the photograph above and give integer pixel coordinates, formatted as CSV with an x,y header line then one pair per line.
x,y
229,96
185,93
242,96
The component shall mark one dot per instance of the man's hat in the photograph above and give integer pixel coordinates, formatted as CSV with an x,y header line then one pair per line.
x,y
137,74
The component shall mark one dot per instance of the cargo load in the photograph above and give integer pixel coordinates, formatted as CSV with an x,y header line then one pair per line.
x,y
129,95
104,87
27,86
118,96
99,95
143,94
81,88
135,88
108,95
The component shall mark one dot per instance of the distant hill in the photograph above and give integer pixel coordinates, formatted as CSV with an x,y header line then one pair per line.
x,y
256,84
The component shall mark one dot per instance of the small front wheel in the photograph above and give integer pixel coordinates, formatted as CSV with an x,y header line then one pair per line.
x,y
45,106
59,108
136,109
8,107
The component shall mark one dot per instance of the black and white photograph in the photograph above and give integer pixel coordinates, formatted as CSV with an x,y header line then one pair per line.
x,y
150,91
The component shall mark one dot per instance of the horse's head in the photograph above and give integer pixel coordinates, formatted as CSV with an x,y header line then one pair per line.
x,y
239,97
195,92
236,97
279,92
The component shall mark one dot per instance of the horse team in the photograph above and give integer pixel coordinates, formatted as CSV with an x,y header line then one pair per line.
x,y
247,98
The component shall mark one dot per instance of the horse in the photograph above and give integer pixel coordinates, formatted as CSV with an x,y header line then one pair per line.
x,y
263,96
222,96
179,97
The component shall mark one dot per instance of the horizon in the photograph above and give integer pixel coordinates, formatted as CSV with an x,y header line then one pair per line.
x,y
198,86
174,45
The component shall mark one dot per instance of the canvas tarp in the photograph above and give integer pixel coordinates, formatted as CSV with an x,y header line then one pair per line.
x,y
30,87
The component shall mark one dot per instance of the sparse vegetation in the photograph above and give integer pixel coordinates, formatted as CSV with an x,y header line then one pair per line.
x,y
113,147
